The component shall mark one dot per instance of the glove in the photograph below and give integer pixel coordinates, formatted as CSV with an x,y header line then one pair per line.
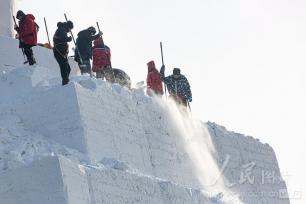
x,y
189,99
100,33
69,39
162,69
16,27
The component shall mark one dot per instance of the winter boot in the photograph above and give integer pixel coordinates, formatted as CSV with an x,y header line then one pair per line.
x,y
32,60
65,81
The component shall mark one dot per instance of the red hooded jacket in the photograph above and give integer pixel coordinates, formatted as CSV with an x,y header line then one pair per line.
x,y
153,80
27,30
101,56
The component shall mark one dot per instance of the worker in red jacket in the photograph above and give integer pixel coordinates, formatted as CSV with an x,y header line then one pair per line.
x,y
101,63
154,84
27,32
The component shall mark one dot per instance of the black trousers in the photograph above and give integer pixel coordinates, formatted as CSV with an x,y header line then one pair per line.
x,y
29,53
85,67
64,66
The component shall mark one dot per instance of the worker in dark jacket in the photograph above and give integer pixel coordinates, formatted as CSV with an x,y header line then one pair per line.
x,y
61,49
27,32
177,85
84,48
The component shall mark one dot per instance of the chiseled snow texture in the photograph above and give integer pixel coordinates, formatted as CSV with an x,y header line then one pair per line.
x,y
93,142
7,10
244,150
66,180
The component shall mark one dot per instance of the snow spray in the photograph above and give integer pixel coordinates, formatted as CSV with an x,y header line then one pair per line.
x,y
197,143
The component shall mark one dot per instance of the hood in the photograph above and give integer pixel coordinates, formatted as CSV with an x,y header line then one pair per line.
x,y
84,33
98,41
176,71
65,25
60,25
151,66
30,16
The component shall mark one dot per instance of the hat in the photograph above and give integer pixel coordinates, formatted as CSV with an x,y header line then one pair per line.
x,y
69,25
176,71
60,24
20,14
92,29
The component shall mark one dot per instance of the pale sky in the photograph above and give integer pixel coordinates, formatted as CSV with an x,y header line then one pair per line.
x,y
245,60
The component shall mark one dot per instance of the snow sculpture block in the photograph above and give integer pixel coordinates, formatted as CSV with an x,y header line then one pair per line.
x,y
58,180
56,115
51,180
161,156
103,124
251,168
104,121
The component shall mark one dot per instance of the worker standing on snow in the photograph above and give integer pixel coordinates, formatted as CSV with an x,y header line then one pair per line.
x,y
61,48
27,34
178,86
154,84
84,46
101,62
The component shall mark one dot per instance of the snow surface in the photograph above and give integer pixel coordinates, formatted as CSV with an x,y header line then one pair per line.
x,y
12,57
95,142
7,10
